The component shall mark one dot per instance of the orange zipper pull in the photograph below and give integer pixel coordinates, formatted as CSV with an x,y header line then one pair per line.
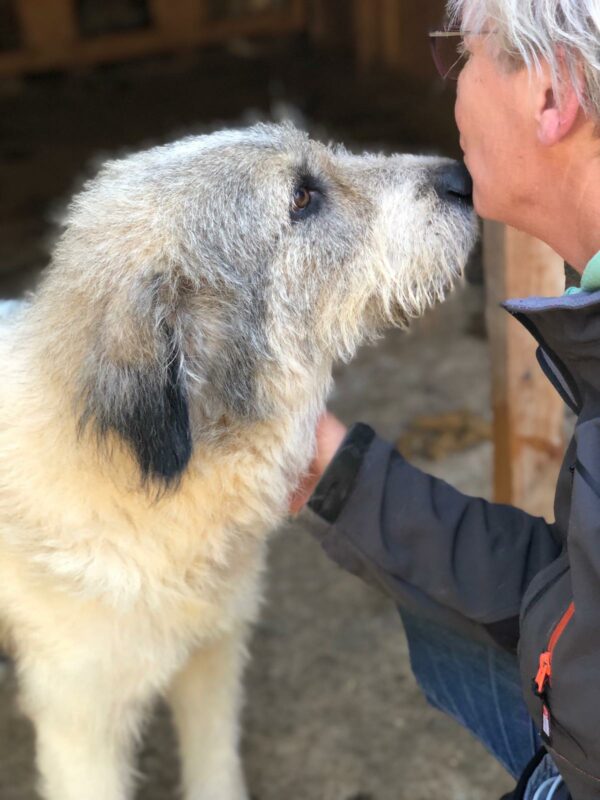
x,y
544,673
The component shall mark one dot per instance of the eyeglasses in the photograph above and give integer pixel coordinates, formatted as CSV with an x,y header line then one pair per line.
x,y
448,51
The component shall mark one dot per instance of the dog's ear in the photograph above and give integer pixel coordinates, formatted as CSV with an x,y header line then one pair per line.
x,y
153,417
135,385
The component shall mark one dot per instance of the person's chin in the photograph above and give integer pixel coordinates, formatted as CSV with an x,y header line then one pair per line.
x,y
482,208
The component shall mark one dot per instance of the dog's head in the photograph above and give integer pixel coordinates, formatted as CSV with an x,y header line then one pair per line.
x,y
210,283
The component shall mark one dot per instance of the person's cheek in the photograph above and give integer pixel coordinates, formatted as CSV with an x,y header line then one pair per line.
x,y
458,108
461,112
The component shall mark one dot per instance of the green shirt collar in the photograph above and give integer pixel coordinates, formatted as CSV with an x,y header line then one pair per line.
x,y
590,279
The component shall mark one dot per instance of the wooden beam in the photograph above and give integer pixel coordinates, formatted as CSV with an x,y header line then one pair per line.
x,y
75,51
528,413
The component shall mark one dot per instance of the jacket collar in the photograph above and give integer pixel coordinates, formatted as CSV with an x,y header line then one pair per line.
x,y
568,331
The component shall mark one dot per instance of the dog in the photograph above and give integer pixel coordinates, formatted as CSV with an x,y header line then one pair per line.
x,y
158,402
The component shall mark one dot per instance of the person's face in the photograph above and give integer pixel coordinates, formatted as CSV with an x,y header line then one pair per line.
x,y
497,133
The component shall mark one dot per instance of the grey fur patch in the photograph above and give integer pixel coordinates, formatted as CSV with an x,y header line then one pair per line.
x,y
233,375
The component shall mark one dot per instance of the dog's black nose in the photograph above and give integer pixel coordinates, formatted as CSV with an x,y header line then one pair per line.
x,y
453,183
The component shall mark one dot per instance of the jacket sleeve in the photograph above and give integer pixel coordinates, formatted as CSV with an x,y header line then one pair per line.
x,y
417,537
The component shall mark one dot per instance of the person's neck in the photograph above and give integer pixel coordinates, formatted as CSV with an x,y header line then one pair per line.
x,y
570,212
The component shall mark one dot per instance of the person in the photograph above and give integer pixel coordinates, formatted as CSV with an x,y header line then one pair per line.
x,y
474,579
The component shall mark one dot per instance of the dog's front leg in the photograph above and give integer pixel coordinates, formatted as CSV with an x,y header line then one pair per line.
x,y
85,733
206,698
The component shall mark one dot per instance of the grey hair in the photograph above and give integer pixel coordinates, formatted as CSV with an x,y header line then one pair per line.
x,y
565,33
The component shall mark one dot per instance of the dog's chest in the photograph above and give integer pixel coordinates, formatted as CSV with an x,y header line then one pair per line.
x,y
175,570
191,565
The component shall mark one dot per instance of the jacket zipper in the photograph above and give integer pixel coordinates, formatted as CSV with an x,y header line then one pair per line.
x,y
543,678
544,673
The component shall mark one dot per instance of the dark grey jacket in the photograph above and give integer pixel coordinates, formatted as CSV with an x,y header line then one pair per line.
x,y
492,570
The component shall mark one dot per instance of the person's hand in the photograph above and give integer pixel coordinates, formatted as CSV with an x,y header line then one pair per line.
x,y
330,433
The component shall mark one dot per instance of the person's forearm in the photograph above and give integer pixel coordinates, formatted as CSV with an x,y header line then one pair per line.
x,y
391,520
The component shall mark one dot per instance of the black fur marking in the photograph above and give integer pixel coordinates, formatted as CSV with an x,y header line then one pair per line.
x,y
157,424
148,408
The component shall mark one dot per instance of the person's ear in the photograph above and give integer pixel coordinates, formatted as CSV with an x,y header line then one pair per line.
x,y
556,114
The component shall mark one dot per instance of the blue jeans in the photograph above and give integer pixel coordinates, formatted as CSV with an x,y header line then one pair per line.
x,y
476,684
480,687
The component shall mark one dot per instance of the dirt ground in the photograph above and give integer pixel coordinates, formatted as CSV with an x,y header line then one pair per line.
x,y
332,712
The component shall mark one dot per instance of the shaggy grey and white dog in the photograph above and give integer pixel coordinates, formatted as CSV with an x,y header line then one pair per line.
x,y
157,406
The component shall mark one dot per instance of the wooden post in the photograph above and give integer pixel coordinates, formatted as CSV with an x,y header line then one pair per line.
x,y
528,413
392,43
318,21
367,33
299,13
418,18
329,22
179,21
393,34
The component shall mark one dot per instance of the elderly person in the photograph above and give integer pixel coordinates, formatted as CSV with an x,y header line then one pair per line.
x,y
471,578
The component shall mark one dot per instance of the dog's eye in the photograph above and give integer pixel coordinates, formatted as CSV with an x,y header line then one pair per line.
x,y
307,199
302,198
